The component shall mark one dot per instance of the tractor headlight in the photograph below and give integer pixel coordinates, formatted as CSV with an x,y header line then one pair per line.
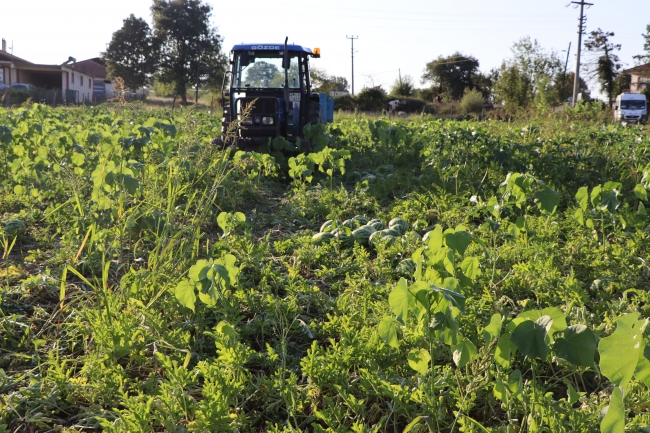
x,y
247,121
267,120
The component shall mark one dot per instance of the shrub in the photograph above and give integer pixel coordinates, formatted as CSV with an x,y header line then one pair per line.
x,y
472,101
345,102
372,99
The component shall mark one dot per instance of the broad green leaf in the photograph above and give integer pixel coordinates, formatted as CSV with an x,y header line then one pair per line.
x,y
399,300
619,353
470,267
579,215
463,352
557,315
614,420
532,337
504,350
19,190
198,270
609,201
493,329
572,395
547,200
458,241
642,371
78,158
640,192
418,360
515,383
578,345
388,332
456,299
500,391
185,294
595,195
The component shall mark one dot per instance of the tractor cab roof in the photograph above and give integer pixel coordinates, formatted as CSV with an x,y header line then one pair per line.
x,y
271,47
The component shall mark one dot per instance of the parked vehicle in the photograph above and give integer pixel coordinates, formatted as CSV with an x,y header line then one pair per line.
x,y
3,88
631,107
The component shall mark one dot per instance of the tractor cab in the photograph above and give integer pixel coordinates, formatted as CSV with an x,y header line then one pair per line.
x,y
271,82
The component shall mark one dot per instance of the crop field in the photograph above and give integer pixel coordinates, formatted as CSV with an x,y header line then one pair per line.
x,y
416,275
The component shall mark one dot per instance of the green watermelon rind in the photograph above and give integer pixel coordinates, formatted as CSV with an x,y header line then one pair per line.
x,y
321,237
15,228
399,225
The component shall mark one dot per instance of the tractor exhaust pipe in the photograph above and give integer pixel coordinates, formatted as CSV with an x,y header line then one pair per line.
x,y
286,62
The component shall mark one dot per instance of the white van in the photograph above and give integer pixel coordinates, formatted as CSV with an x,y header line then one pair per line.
x,y
631,107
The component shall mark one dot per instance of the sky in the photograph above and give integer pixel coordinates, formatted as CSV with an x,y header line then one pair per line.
x,y
394,36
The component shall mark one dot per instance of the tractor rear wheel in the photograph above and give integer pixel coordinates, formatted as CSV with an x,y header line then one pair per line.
x,y
313,112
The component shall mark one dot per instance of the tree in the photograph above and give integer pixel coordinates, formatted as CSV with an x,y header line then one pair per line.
x,y
403,86
451,75
513,88
323,83
531,75
564,87
644,58
132,53
187,43
604,65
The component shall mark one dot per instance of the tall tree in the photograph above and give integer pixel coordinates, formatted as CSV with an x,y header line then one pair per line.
x,y
530,75
604,64
187,43
644,58
451,75
132,53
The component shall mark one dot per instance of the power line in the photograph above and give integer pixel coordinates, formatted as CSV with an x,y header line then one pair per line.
x,y
581,29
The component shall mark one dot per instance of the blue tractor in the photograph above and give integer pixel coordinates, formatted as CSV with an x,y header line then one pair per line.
x,y
272,80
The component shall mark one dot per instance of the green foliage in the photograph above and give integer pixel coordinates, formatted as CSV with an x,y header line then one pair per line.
x,y
187,43
472,101
164,284
132,53
451,75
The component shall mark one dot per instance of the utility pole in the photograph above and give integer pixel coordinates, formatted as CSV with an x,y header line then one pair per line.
x,y
352,38
581,29
566,65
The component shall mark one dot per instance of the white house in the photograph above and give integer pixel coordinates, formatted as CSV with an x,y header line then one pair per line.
x,y
64,83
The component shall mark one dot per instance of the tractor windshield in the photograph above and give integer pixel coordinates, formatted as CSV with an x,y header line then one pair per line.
x,y
263,69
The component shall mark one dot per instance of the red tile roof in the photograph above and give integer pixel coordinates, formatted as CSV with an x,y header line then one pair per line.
x,y
639,70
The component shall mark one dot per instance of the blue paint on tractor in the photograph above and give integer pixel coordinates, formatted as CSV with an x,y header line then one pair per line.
x,y
271,47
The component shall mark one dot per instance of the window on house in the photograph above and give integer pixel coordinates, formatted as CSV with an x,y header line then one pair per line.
x,y
81,80
73,78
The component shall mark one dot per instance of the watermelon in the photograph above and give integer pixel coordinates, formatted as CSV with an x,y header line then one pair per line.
x,y
360,219
328,226
390,232
399,225
15,228
413,237
320,238
406,267
374,238
377,224
349,223
389,240
362,234
345,240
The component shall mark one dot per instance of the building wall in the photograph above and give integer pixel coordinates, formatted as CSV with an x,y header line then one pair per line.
x,y
75,80
639,83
